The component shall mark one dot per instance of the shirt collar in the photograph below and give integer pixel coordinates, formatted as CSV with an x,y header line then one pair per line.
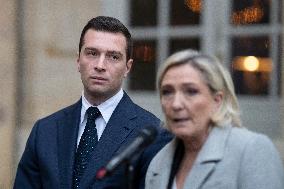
x,y
106,108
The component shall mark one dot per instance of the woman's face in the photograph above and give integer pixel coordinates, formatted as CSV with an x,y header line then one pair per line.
x,y
187,102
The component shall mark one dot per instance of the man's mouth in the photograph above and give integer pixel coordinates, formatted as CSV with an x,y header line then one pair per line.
x,y
98,78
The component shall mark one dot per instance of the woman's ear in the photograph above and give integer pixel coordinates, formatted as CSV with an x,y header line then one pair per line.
x,y
218,98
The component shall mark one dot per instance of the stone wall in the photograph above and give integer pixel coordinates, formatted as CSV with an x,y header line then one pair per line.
x,y
8,89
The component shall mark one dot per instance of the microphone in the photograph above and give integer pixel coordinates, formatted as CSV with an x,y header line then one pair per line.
x,y
145,138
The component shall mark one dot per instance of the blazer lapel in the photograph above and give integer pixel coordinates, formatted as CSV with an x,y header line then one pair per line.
x,y
211,153
67,141
118,128
159,170
198,175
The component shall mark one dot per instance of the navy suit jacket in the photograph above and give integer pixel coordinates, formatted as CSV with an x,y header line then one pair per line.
x,y
48,158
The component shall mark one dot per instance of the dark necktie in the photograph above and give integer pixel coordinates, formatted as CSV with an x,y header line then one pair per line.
x,y
88,142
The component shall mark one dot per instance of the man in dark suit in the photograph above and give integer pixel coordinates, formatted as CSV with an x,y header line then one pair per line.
x,y
53,154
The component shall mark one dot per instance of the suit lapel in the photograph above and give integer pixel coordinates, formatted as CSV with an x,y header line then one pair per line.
x,y
118,128
211,153
67,140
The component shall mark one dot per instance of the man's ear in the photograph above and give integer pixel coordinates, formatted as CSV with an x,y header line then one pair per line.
x,y
78,61
128,67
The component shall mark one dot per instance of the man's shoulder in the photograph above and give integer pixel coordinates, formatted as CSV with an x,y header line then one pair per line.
x,y
145,113
132,107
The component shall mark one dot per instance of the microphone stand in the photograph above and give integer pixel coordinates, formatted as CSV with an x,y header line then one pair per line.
x,y
129,174
130,171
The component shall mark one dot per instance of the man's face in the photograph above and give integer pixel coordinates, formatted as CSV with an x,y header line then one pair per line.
x,y
102,64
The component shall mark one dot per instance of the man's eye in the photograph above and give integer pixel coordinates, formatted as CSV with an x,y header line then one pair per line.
x,y
113,57
92,53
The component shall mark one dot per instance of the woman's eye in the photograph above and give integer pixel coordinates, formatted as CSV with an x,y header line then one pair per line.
x,y
165,92
94,53
191,91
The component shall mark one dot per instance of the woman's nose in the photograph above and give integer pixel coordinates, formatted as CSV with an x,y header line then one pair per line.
x,y
177,102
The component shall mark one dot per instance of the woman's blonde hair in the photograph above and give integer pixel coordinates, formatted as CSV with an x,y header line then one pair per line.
x,y
216,77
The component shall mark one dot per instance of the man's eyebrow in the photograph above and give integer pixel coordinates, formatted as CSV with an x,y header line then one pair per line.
x,y
115,53
91,48
108,52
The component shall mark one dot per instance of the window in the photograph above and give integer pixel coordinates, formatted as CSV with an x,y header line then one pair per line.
x,y
255,46
244,34
250,12
160,27
185,12
140,8
251,64
144,65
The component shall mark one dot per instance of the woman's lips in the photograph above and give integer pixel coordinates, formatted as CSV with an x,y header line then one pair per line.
x,y
180,119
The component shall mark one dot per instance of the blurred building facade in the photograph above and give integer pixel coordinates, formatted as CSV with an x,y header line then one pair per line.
x,y
39,44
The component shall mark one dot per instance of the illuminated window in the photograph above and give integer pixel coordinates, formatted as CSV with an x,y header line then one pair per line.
x,y
250,12
245,34
256,46
185,12
159,28
142,76
252,66
237,31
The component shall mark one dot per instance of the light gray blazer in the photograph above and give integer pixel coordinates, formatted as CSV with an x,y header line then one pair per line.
x,y
231,158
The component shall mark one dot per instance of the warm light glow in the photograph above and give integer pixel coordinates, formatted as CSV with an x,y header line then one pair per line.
x,y
194,5
248,15
251,63
144,53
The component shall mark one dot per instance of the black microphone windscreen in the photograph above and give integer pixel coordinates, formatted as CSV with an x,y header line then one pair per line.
x,y
150,133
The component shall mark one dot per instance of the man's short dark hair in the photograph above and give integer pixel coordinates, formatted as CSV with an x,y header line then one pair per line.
x,y
108,24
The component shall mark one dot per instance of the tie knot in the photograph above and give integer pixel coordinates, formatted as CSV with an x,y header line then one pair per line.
x,y
93,113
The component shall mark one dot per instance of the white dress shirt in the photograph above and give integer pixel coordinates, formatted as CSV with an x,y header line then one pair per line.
x,y
174,186
106,108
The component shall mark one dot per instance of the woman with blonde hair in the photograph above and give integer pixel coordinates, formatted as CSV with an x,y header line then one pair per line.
x,y
211,149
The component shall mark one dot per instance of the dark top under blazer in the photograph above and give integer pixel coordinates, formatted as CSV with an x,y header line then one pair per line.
x,y
48,158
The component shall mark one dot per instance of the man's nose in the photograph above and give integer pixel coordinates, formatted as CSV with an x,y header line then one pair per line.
x,y
100,63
